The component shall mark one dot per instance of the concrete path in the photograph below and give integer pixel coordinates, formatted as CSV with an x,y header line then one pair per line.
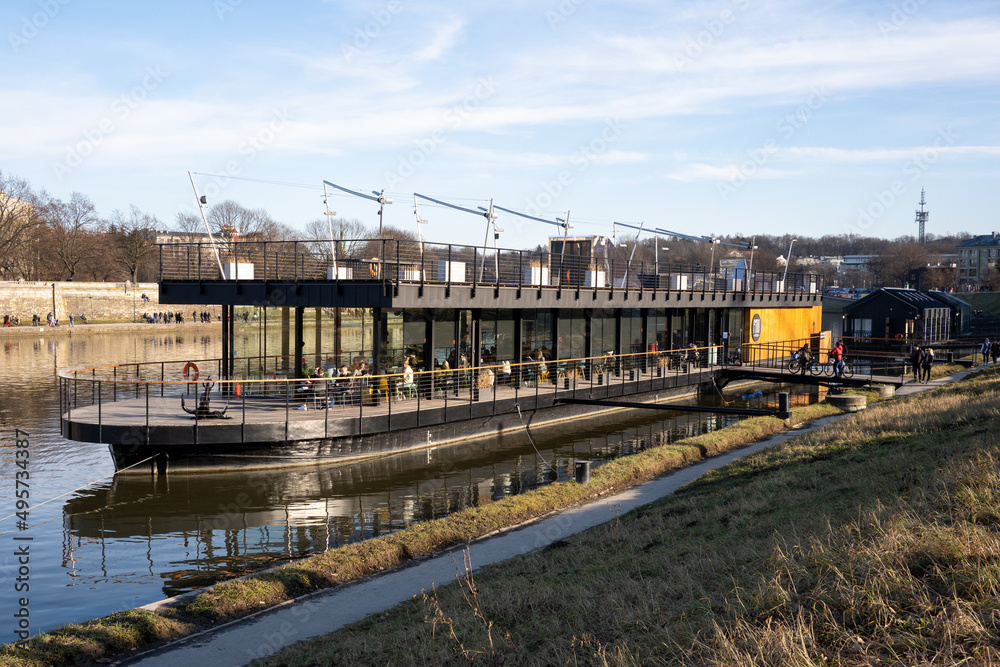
x,y
323,612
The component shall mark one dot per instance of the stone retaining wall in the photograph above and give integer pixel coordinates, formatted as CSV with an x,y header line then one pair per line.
x,y
99,301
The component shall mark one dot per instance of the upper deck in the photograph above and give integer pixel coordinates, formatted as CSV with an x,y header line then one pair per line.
x,y
391,273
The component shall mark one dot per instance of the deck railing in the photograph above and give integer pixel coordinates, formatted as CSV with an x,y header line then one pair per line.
x,y
395,262
148,391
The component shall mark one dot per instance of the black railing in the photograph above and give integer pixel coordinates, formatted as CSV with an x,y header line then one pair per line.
x,y
395,262
149,394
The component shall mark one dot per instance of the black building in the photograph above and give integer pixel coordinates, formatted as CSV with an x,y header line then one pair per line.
x,y
896,313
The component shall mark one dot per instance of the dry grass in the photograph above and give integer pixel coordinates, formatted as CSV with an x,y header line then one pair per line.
x,y
871,541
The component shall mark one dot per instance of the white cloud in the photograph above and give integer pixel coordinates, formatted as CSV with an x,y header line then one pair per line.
x,y
445,37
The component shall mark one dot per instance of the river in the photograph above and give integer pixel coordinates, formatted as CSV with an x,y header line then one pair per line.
x,y
96,544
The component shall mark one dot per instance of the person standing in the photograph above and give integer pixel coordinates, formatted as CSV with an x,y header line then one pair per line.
x,y
926,361
837,353
916,357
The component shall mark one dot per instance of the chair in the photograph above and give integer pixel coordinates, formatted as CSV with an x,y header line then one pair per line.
x,y
254,386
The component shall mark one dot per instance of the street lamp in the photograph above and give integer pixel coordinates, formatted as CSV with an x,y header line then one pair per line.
x,y
787,262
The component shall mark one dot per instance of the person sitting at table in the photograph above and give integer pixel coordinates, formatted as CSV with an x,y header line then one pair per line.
x,y
505,373
407,383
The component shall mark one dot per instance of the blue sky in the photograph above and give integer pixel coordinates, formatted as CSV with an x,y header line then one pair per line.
x,y
716,117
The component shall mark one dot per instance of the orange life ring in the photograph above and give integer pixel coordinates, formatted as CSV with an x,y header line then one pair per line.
x,y
188,367
899,336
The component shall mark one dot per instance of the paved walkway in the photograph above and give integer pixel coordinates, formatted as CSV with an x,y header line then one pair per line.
x,y
323,612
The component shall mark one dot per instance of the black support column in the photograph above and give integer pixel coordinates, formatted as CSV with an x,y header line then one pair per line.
x,y
299,312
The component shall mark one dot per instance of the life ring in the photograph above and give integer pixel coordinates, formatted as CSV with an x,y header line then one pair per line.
x,y
188,368
899,336
373,267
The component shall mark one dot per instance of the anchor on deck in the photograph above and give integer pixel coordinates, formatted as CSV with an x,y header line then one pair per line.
x,y
203,411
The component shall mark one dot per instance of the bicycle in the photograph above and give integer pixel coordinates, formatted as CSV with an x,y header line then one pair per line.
x,y
846,373
817,368
796,364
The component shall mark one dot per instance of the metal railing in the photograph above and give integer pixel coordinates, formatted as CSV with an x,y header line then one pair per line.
x,y
869,358
395,262
149,393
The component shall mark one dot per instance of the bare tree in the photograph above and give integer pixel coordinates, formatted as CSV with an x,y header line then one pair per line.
x,y
349,235
189,223
70,236
18,222
132,239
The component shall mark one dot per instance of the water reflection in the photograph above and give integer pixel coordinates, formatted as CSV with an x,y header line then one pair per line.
x,y
196,529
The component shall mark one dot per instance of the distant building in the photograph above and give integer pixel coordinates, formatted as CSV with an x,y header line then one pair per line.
x,y
976,256
961,311
897,313
856,262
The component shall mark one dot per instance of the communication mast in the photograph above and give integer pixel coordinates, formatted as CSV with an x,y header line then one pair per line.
x,y
922,216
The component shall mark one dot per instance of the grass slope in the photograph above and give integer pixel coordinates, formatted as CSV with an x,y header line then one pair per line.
x,y
875,540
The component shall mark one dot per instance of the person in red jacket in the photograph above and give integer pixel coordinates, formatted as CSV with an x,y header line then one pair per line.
x,y
838,358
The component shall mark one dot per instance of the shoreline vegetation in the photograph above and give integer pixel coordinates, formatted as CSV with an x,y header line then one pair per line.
x,y
711,539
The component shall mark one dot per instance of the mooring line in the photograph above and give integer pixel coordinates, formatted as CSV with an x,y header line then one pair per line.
x,y
45,502
521,417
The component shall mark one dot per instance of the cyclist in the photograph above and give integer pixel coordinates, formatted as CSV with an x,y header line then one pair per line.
x,y
804,355
837,353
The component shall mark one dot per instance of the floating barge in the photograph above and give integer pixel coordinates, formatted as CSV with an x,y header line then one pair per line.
x,y
496,340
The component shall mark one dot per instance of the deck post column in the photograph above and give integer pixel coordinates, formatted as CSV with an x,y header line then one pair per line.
x,y
645,338
231,333
477,357
588,343
618,342
377,315
225,342
299,342
285,338
318,349
518,347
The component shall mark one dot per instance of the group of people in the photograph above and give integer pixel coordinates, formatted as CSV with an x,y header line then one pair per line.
x,y
838,355
164,318
990,351
348,383
10,320
921,360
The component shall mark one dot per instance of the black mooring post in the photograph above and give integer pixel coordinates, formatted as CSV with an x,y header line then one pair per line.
x,y
783,410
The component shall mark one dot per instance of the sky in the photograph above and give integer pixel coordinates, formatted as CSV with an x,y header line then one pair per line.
x,y
715,117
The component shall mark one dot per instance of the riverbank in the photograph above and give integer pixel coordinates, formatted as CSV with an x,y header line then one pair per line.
x,y
235,599
871,540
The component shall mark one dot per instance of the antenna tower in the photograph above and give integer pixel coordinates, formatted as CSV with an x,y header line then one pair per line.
x,y
922,216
